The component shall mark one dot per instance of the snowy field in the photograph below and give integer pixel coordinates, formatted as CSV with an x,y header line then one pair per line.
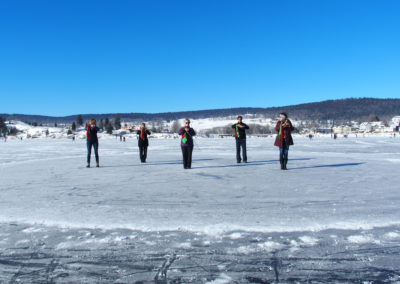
x,y
334,216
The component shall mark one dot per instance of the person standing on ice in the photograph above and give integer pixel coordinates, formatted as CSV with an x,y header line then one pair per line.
x,y
187,133
240,137
143,142
284,138
92,141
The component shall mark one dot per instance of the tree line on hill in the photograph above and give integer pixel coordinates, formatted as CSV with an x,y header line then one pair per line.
x,y
339,111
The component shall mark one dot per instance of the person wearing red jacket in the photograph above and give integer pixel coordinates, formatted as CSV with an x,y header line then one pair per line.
x,y
284,138
143,142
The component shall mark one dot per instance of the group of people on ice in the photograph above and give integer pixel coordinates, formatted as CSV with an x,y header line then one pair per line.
x,y
283,140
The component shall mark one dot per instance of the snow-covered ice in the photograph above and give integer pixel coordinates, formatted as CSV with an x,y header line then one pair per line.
x,y
339,197
331,184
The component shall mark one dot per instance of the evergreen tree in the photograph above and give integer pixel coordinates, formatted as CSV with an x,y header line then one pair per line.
x,y
107,121
13,131
47,132
55,124
101,125
3,126
79,120
117,122
73,126
373,117
109,128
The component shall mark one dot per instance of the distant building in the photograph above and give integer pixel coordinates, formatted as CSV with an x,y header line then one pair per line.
x,y
342,129
374,126
395,123
365,127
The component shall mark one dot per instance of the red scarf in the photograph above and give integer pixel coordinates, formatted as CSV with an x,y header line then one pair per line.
x,y
88,133
142,133
282,131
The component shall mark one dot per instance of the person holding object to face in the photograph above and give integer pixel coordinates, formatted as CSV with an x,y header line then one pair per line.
x,y
143,142
92,141
240,137
187,133
284,138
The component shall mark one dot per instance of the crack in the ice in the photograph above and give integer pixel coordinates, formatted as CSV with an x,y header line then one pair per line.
x,y
161,276
276,264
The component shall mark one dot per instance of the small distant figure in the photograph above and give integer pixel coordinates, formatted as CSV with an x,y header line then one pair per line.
x,y
123,138
73,138
187,133
5,138
334,136
310,136
92,141
143,142
345,136
284,138
240,137
120,138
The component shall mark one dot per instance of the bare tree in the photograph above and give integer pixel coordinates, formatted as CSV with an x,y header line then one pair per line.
x,y
175,126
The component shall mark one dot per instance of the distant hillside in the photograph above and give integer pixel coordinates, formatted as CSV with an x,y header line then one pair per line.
x,y
338,110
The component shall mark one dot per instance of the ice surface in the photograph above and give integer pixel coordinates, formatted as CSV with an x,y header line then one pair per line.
x,y
339,197
342,184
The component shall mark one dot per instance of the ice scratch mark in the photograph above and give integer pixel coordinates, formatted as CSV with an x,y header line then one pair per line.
x,y
161,276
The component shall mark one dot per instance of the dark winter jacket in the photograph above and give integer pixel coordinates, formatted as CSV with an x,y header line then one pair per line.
x,y
91,134
143,141
240,133
186,137
286,134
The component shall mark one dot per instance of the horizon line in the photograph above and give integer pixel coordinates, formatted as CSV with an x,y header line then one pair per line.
x,y
198,110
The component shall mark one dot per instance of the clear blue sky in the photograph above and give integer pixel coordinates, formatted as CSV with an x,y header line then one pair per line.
x,y
68,57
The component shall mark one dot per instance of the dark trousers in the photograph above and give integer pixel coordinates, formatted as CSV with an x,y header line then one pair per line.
x,y
283,153
89,150
187,156
143,153
241,143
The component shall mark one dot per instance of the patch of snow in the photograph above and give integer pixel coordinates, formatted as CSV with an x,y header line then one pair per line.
x,y
222,279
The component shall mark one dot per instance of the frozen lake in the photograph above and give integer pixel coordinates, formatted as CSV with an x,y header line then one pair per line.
x,y
333,216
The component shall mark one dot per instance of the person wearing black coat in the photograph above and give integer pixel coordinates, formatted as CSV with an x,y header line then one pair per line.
x,y
186,133
240,137
284,138
92,141
143,142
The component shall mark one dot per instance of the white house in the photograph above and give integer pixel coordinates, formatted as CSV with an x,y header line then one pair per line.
x,y
395,121
365,127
